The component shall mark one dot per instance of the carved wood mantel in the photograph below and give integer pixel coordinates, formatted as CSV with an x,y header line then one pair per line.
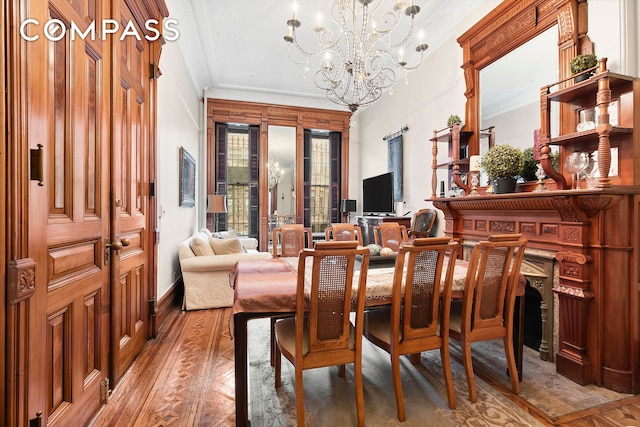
x,y
594,236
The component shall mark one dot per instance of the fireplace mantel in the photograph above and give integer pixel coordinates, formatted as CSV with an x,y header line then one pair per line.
x,y
594,234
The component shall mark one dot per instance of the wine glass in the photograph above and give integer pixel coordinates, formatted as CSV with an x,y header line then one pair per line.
x,y
571,168
575,164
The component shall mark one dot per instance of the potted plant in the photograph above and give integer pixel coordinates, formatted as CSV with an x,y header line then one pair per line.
x,y
530,168
453,119
581,63
503,163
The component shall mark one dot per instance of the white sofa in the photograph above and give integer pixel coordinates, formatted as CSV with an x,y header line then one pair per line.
x,y
206,275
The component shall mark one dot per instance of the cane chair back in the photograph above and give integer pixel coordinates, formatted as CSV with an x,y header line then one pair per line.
x,y
418,319
323,335
290,239
341,232
487,309
391,235
423,222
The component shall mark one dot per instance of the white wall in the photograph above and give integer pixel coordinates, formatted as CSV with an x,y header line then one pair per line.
x,y
180,118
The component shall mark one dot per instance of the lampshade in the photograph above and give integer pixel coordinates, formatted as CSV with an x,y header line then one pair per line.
x,y
475,163
216,203
348,205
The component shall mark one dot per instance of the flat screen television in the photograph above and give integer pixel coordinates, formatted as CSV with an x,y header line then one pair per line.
x,y
377,195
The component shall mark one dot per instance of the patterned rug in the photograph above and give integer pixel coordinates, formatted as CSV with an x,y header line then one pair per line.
x,y
330,400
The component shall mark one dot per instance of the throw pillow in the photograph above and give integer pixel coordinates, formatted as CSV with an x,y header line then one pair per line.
x,y
200,246
225,246
231,234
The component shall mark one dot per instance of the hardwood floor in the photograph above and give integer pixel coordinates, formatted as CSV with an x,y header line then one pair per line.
x,y
184,377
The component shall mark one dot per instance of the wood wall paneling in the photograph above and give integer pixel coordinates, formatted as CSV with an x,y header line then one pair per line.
x,y
263,115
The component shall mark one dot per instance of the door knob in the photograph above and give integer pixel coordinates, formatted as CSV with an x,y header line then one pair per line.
x,y
117,245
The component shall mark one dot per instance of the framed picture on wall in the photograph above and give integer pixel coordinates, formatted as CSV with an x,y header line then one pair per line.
x,y
187,179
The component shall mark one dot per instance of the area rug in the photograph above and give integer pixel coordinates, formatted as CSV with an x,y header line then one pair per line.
x,y
330,400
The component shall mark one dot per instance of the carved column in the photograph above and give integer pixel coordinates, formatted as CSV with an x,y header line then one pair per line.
x,y
574,297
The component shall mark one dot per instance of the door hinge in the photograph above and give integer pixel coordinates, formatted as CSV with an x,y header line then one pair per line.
x,y
152,189
154,73
152,307
37,421
107,252
104,391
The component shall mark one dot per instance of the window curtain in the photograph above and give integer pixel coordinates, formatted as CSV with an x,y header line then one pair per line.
x,y
222,132
335,173
254,174
306,189
395,166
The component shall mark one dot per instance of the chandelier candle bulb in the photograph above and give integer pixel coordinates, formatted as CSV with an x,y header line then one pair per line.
x,y
474,163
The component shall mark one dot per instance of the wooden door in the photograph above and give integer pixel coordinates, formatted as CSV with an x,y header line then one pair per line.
x,y
83,103
130,205
67,104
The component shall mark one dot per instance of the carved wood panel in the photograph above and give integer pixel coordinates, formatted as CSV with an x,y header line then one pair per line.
x,y
77,216
131,170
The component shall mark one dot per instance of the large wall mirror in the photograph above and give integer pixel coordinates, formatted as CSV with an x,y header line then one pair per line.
x,y
519,47
509,89
281,172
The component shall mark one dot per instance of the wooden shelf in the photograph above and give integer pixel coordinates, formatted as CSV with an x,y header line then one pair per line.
x,y
586,136
572,94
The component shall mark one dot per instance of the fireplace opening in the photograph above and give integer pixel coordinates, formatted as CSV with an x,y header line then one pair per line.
x,y
532,318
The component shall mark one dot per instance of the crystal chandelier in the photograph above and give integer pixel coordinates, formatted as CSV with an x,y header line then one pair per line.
x,y
275,173
363,54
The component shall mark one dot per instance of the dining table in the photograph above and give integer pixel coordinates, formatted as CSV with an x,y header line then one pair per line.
x,y
267,288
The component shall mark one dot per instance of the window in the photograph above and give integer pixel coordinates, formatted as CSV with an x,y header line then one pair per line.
x,y
320,190
238,180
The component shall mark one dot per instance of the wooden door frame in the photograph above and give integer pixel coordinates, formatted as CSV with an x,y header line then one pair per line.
x,y
263,115
3,208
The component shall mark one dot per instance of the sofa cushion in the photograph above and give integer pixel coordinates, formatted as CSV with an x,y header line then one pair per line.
x,y
225,246
200,246
231,234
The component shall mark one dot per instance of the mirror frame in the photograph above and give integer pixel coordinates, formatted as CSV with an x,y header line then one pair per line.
x,y
507,27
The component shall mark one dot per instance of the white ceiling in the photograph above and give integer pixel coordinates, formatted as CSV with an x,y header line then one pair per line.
x,y
238,44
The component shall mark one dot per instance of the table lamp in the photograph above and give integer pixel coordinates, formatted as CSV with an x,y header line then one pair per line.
x,y
348,206
474,170
216,203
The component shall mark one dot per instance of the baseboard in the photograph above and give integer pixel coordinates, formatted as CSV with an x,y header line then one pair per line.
x,y
171,300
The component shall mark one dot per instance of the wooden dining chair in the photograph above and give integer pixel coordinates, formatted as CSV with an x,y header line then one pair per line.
x,y
391,235
422,224
290,239
323,335
418,319
343,232
487,309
